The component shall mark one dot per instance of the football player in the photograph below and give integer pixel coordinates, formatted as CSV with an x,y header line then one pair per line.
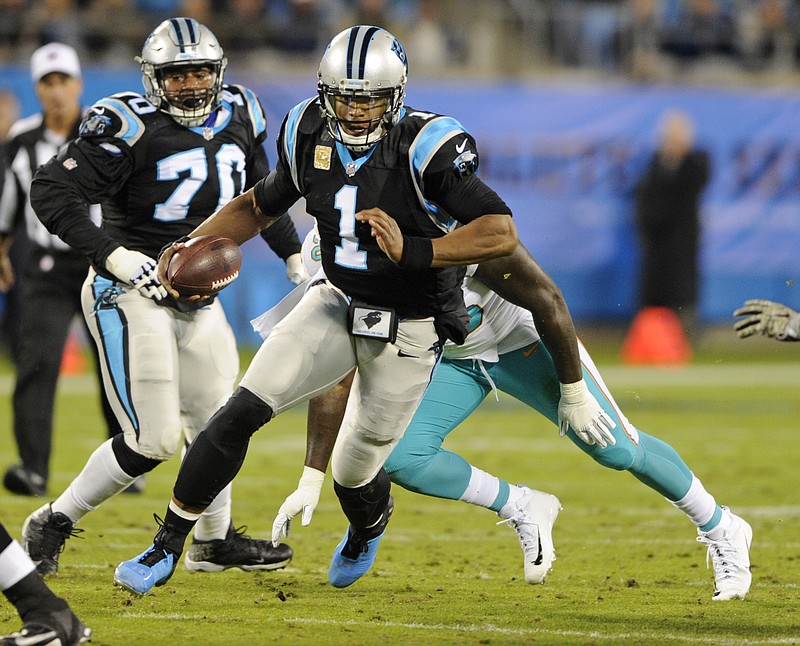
x,y
46,618
522,352
159,164
769,318
386,184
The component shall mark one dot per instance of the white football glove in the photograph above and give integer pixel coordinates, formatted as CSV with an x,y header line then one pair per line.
x,y
768,318
579,410
304,500
138,270
295,269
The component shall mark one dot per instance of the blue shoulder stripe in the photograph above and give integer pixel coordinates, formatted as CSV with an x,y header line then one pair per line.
x,y
428,141
425,145
290,134
256,113
132,126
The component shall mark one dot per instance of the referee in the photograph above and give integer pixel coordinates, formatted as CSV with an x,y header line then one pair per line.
x,y
52,274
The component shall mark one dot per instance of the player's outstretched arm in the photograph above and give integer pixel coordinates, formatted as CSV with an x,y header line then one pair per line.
x,y
240,219
519,279
769,318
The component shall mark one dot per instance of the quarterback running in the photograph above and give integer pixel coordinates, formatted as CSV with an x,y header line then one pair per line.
x,y
386,184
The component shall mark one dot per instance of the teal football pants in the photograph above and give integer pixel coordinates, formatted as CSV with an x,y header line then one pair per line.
x,y
420,464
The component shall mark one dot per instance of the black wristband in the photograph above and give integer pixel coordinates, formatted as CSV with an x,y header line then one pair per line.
x,y
417,253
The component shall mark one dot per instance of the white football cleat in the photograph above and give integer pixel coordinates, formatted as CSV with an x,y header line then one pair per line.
x,y
730,556
536,514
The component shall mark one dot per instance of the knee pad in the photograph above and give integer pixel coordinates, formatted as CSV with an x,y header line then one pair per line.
x,y
365,505
131,462
241,416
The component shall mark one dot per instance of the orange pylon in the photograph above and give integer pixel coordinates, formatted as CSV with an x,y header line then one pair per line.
x,y
73,361
656,336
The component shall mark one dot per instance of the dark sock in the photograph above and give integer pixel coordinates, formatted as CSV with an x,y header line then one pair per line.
x,y
366,506
30,595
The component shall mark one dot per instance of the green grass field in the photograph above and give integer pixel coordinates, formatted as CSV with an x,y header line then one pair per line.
x,y
628,570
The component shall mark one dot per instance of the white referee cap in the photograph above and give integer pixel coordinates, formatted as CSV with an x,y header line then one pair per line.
x,y
54,57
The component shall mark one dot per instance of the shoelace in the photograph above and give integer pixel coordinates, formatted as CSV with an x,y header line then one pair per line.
x,y
55,534
722,555
528,532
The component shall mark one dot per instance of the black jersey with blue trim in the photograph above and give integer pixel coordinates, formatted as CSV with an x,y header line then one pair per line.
x,y
155,179
418,173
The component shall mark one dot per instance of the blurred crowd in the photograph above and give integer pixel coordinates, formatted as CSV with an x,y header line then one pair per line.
x,y
658,40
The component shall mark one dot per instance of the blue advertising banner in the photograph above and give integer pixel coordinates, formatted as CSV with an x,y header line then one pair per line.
x,y
566,159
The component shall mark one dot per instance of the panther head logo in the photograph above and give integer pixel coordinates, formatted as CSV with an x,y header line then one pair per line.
x,y
372,319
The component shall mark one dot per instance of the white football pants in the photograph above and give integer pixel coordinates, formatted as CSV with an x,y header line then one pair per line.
x,y
165,372
311,349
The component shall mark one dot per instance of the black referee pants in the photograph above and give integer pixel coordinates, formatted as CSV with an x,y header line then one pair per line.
x,y
51,298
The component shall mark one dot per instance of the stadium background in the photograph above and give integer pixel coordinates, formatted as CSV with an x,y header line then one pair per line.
x,y
565,124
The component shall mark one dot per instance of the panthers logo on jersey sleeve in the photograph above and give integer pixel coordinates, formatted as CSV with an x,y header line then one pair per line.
x,y
117,117
440,148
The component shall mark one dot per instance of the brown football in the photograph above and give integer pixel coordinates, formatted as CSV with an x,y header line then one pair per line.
x,y
204,266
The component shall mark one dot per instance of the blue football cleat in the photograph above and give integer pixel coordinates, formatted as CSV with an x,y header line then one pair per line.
x,y
151,568
345,571
354,556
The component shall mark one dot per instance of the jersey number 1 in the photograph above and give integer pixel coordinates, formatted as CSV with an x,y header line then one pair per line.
x,y
348,254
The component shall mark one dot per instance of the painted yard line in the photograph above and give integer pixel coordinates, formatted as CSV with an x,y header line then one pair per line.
x,y
489,629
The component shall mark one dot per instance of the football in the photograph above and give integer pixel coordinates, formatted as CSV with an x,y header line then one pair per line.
x,y
204,266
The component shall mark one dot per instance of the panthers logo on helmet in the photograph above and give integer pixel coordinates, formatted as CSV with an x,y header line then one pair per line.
x,y
397,48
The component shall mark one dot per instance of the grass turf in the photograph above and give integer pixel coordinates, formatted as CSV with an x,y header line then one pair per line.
x,y
628,568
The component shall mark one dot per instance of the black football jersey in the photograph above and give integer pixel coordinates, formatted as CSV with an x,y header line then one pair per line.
x,y
155,179
412,174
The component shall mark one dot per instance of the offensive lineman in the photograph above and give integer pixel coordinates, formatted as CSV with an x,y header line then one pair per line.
x,y
158,164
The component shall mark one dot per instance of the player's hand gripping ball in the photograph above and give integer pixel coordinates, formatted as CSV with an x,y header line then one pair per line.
x,y
204,266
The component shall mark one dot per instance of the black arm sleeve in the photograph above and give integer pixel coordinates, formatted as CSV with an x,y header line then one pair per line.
x,y
467,198
64,211
453,185
275,193
282,237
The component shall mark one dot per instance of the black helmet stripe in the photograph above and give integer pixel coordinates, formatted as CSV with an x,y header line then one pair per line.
x,y
359,41
184,32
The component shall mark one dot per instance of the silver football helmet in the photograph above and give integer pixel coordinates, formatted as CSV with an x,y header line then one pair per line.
x,y
363,63
182,42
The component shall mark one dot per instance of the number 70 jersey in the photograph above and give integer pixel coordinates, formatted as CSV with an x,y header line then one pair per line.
x,y
156,179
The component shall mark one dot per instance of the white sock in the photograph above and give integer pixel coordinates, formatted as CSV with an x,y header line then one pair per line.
x,y
216,519
101,478
515,493
697,504
15,565
482,489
